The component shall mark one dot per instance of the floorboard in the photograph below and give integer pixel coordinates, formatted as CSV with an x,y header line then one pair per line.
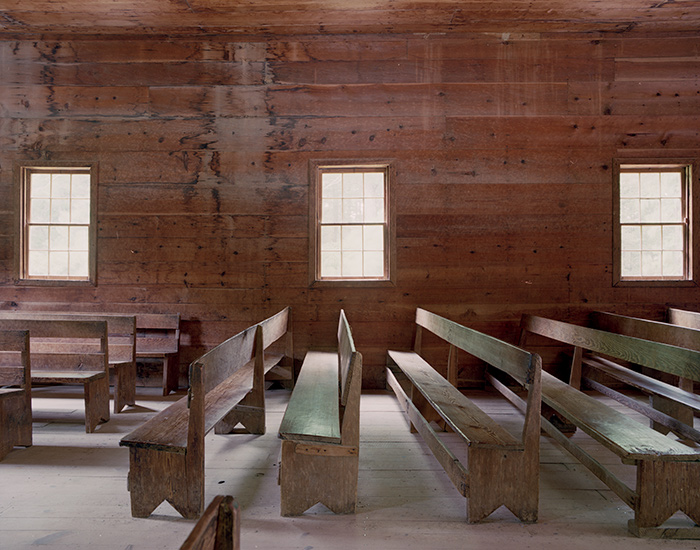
x,y
69,489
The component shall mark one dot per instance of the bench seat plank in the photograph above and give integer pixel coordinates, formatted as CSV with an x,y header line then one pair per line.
x,y
462,415
625,436
5,392
167,431
313,409
643,382
66,377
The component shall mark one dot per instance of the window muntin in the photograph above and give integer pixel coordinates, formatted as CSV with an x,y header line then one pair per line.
x,y
57,224
654,223
352,229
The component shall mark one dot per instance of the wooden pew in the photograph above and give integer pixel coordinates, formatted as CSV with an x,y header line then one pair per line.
x,y
668,472
501,469
671,406
70,352
166,453
121,346
219,528
158,337
683,318
320,430
15,391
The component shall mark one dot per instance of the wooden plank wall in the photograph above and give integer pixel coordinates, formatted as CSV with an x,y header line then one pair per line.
x,y
504,148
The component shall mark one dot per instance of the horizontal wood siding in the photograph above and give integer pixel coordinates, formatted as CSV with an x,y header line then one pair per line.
x,y
503,148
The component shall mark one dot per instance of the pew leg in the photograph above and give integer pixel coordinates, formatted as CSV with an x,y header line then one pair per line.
x,y
157,476
250,412
663,488
125,390
96,403
171,373
499,477
308,477
672,408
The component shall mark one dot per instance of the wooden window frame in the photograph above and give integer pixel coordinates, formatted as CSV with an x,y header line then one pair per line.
x,y
21,254
691,168
316,169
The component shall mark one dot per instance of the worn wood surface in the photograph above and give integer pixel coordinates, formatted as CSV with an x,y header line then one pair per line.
x,y
219,528
15,391
320,430
664,465
503,145
167,452
70,352
501,469
121,347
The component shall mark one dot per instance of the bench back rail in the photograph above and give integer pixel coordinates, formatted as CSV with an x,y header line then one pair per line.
x,y
219,528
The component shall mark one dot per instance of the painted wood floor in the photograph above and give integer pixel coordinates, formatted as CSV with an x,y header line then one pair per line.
x,y
69,489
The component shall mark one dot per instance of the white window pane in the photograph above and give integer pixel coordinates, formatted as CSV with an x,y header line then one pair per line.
x,y
60,211
353,210
78,264
331,186
80,186
673,237
373,237
40,211
353,185
373,264
650,210
631,264
330,264
38,263
651,237
673,263
79,238
671,210
671,185
374,185
352,264
352,238
629,211
629,185
330,237
58,264
651,264
374,210
631,237
40,186
80,211
39,237
649,184
60,186
332,211
58,238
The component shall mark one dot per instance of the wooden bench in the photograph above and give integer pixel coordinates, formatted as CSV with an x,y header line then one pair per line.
x,y
158,337
121,346
166,453
668,472
219,528
501,469
15,391
70,352
671,406
320,430
683,318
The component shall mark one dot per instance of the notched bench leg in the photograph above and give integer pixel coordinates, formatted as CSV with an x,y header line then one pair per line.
x,y
125,390
663,488
157,476
309,476
502,478
250,412
171,373
96,403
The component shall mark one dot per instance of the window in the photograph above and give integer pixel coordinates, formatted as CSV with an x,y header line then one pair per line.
x,y
57,224
653,223
352,228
